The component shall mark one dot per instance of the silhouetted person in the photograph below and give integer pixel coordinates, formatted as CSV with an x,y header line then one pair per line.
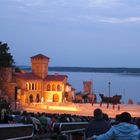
x,y
105,117
107,105
97,125
92,103
100,104
113,106
117,120
118,108
138,122
122,131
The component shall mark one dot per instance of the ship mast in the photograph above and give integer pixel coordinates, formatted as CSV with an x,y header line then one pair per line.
x,y
109,84
92,86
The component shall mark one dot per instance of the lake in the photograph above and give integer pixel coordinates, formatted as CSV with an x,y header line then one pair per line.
x,y
126,85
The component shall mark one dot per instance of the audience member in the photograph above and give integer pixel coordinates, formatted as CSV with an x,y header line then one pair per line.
x,y
122,131
138,122
44,122
97,125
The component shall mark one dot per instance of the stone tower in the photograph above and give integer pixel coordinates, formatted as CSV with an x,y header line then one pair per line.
x,y
40,65
87,86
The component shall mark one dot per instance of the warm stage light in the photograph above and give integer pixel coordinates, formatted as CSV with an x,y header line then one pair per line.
x,y
62,108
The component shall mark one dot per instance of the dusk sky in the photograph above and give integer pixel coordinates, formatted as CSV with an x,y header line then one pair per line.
x,y
92,33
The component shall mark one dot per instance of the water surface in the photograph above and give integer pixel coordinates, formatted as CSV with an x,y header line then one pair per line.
x,y
126,85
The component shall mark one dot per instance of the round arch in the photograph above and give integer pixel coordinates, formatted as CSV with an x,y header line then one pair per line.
x,y
31,98
27,86
58,88
37,98
55,98
48,87
53,87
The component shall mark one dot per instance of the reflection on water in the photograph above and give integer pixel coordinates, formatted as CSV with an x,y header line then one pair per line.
x,y
127,85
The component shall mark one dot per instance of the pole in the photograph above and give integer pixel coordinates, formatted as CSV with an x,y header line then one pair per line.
x,y
109,83
91,87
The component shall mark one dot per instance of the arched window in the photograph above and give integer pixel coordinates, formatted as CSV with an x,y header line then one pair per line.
x,y
30,86
48,87
33,86
53,87
27,86
58,88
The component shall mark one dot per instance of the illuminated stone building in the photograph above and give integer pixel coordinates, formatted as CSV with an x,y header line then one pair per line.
x,y
87,96
39,86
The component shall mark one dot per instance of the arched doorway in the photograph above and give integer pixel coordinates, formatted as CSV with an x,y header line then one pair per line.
x,y
55,98
31,98
37,98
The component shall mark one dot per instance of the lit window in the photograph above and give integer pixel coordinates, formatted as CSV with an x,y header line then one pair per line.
x,y
27,86
30,86
58,88
53,87
33,86
48,87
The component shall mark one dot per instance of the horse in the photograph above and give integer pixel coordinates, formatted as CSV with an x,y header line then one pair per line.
x,y
114,99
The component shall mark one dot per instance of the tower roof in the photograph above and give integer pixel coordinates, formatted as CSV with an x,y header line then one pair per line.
x,y
56,77
32,76
27,76
40,56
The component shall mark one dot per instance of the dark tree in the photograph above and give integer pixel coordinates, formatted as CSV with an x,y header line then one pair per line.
x,y
6,59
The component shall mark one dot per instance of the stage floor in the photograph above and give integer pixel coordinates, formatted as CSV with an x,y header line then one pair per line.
x,y
84,109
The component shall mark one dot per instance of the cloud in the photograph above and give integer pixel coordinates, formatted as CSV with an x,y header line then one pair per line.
x,y
119,12
110,20
41,3
116,20
103,3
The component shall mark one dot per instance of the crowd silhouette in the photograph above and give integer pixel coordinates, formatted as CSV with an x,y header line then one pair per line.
x,y
100,126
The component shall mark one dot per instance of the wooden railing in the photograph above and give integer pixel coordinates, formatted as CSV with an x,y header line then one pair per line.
x,y
72,131
15,131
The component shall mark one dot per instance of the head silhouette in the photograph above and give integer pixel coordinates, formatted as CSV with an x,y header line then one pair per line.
x,y
125,117
98,114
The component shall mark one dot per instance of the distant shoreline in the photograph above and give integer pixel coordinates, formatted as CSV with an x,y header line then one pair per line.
x,y
133,71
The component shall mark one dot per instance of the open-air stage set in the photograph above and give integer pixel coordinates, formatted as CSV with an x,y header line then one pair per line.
x,y
85,109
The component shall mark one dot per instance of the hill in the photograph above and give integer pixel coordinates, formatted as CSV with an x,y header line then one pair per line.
x,y
90,69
